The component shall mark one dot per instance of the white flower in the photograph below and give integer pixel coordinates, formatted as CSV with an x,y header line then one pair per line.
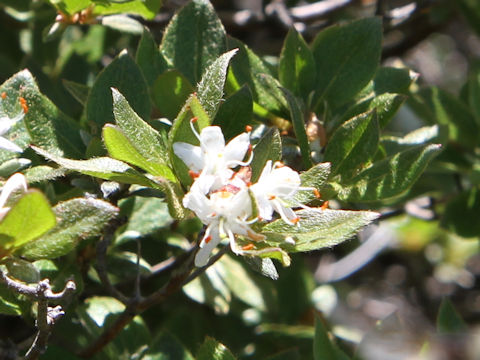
x,y
277,184
213,161
225,212
15,183
5,125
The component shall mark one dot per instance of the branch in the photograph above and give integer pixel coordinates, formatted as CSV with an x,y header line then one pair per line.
x,y
136,306
46,316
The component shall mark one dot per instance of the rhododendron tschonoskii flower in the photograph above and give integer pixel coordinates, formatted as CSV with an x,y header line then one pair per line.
x,y
213,161
16,182
225,212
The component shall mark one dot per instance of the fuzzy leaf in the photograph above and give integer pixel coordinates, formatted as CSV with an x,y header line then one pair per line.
x,y
235,113
318,228
194,39
170,91
296,65
353,144
123,74
210,88
148,57
29,218
211,349
345,67
77,219
390,177
145,139
47,126
268,148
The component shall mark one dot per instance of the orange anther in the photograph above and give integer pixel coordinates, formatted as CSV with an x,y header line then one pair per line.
x,y
4,95
23,104
193,174
194,119
296,220
284,133
248,128
271,197
207,239
324,205
316,193
248,247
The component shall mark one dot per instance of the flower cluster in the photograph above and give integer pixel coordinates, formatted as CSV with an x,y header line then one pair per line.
x,y
222,195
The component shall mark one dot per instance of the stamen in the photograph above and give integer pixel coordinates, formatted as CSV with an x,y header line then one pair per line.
x,y
23,104
290,240
207,239
4,95
192,121
254,236
316,193
278,164
296,220
284,133
324,205
248,128
271,197
193,174
248,247
234,163
221,229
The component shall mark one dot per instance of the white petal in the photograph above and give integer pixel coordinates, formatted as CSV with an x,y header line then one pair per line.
x,y
285,182
265,209
16,182
237,148
212,140
264,176
199,204
287,214
203,254
10,146
191,155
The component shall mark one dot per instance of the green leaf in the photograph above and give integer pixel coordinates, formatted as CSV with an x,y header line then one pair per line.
x,y
103,168
345,67
70,6
473,87
22,270
298,121
248,68
211,349
323,349
318,228
353,144
268,148
166,347
78,219
12,166
263,266
449,320
438,106
142,137
170,91
235,113
194,39
28,219
145,216
297,69
148,57
422,136
123,23
123,74
182,132
385,105
210,88
100,312
471,11
315,177
78,91
392,80
42,173
390,177
240,282
10,303
461,213
144,8
47,126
